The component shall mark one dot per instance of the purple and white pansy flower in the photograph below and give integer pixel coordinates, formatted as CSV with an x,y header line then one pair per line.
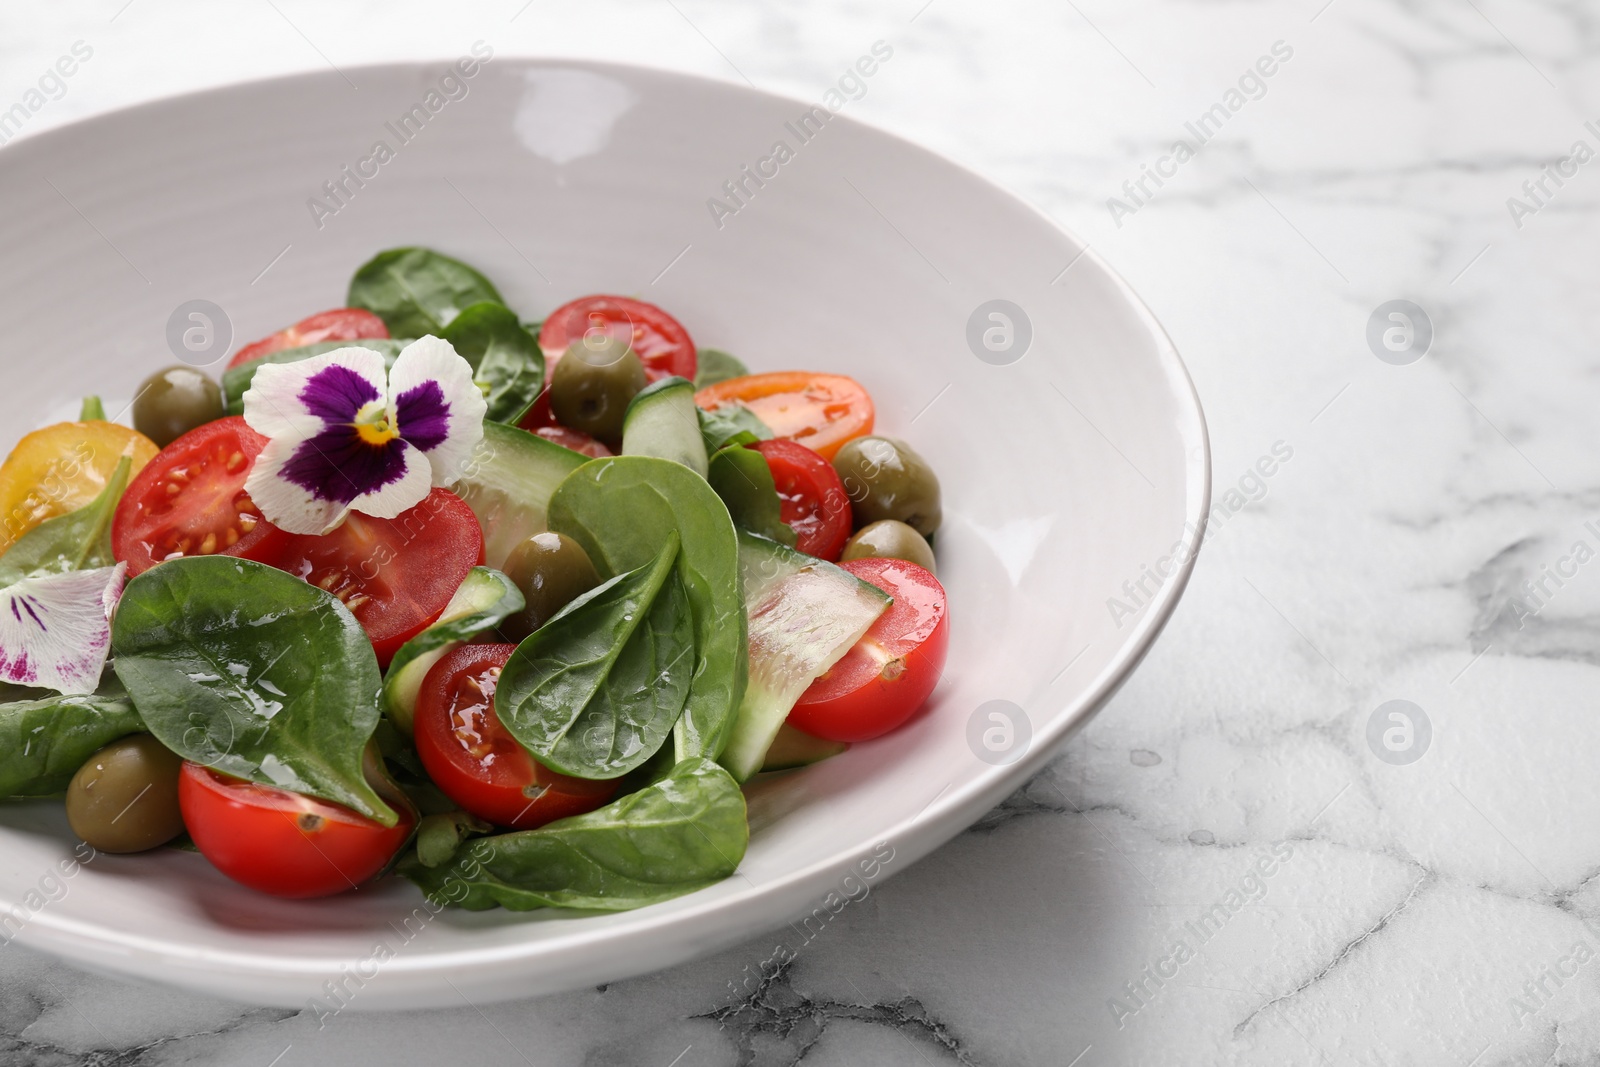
x,y
55,629
345,436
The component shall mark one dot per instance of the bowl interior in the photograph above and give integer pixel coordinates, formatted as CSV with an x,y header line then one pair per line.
x,y
1070,465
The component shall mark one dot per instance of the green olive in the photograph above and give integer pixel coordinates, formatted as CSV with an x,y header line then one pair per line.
x,y
889,539
551,570
593,383
173,401
886,479
125,798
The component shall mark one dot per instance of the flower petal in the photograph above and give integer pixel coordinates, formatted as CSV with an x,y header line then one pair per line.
x,y
437,406
307,491
286,505
296,399
405,492
55,629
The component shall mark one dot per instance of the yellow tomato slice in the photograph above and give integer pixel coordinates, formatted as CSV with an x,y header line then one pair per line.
x,y
60,469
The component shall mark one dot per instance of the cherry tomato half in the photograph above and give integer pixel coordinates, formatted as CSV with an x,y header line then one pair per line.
x,y
882,681
284,843
476,762
576,440
821,411
190,501
812,498
60,469
660,341
340,324
395,575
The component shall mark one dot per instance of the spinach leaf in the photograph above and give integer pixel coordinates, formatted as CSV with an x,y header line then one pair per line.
x,y
596,690
416,291
713,365
673,837
506,360
482,602
252,671
721,427
43,742
235,380
622,509
77,541
743,480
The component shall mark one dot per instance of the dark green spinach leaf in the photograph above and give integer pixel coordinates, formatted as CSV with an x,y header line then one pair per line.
x,y
730,424
505,358
77,541
43,742
247,669
235,380
713,365
596,690
743,480
417,291
622,509
680,834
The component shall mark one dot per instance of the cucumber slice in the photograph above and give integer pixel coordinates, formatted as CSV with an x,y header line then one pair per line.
x,y
804,615
795,748
662,421
484,599
508,485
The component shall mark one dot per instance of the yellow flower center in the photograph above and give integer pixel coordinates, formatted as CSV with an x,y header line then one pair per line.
x,y
373,426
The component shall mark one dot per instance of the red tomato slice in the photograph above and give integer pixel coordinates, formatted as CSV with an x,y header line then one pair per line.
x,y
476,762
395,575
539,415
340,324
190,501
811,496
284,843
882,681
576,440
821,411
661,342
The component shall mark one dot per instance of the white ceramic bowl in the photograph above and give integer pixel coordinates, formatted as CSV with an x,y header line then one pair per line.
x,y
1066,472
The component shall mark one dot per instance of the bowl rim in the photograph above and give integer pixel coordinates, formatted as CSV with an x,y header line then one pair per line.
x,y
107,947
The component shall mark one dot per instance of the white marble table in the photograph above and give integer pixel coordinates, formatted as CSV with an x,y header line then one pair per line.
x,y
1372,911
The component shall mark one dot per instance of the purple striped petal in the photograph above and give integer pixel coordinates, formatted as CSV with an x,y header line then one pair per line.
x,y
337,465
336,393
422,415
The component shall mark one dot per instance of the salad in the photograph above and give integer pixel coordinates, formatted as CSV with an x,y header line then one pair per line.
x,y
513,609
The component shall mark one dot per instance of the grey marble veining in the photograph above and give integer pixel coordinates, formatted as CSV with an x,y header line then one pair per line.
x,y
1220,869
